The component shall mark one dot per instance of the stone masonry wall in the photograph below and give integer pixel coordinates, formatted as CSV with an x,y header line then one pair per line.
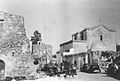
x,y
14,46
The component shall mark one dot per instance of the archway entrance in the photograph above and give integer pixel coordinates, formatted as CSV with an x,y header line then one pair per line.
x,y
2,69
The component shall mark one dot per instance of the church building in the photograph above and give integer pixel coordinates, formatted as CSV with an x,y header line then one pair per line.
x,y
96,39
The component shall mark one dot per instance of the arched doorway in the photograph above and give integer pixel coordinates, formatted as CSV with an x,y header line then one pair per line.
x,y
2,69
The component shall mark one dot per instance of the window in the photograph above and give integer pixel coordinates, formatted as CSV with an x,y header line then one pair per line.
x,y
75,37
1,19
82,38
67,51
83,35
101,37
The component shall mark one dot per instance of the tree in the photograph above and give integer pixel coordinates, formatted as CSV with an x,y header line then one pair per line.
x,y
36,37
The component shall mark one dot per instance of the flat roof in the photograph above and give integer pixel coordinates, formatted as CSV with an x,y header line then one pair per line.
x,y
71,41
66,42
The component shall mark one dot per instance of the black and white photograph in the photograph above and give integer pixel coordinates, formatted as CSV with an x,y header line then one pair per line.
x,y
59,40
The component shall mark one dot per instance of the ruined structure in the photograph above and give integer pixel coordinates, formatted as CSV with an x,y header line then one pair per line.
x,y
42,52
15,57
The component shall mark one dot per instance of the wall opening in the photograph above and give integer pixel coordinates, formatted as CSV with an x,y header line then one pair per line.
x,y
2,69
101,37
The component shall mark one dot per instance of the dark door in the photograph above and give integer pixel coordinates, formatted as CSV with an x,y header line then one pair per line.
x,y
2,69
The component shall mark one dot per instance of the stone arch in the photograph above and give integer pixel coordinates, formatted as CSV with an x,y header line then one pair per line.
x,y
7,62
2,69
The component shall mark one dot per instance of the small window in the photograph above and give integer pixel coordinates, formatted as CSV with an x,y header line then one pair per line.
x,y
101,37
75,37
1,19
67,51
82,36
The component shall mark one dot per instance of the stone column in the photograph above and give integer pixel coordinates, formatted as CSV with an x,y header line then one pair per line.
x,y
90,54
86,58
73,59
31,47
78,36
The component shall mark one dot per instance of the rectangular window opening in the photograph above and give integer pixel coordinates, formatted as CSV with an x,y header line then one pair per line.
x,y
101,37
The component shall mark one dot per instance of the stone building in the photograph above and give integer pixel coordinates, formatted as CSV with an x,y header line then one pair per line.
x,y
59,57
15,57
97,39
43,53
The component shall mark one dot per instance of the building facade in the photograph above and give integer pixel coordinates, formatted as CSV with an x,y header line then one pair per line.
x,y
98,38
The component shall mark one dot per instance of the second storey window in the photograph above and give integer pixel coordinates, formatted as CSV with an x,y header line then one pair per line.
x,y
75,37
83,35
67,51
101,37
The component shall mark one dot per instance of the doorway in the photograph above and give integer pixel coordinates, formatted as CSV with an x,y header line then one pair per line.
x,y
2,69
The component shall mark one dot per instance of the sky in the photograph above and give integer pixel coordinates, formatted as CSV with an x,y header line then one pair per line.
x,y
57,20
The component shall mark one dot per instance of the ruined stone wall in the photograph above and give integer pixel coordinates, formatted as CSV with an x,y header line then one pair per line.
x,y
41,48
14,46
12,33
43,51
